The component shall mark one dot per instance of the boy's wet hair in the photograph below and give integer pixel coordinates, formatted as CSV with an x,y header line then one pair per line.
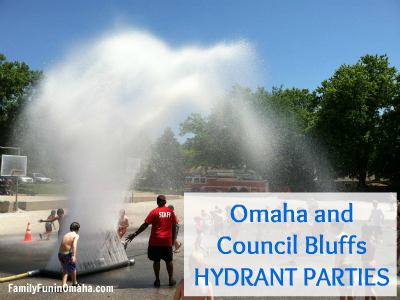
x,y
74,226
338,225
53,213
196,261
122,211
60,211
171,207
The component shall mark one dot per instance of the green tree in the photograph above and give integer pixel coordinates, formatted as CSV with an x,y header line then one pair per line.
x,y
264,131
287,160
386,162
218,140
348,119
17,86
168,162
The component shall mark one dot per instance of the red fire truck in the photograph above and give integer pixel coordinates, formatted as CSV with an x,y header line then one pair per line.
x,y
225,181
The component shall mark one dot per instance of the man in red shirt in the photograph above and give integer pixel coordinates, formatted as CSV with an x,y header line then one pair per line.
x,y
162,235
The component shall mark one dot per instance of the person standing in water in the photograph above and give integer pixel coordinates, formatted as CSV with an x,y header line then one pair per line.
x,y
162,235
67,254
123,224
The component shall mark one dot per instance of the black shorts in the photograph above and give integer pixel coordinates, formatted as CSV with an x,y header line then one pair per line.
x,y
156,253
48,227
377,229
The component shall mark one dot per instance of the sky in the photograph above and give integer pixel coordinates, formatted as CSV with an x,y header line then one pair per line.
x,y
298,43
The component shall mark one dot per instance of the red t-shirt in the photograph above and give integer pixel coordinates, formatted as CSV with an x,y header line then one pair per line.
x,y
162,219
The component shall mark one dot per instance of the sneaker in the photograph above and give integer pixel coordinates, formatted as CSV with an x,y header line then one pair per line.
x,y
40,235
172,282
157,283
77,284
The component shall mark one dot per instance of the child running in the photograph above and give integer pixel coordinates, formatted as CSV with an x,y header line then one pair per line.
x,y
48,227
67,254
60,218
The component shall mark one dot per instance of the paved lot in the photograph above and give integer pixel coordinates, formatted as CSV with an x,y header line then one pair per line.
x,y
135,282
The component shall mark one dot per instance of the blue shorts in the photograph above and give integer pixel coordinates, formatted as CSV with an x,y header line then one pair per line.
x,y
66,262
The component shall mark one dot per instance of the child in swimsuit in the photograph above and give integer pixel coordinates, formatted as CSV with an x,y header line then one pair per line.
x,y
206,220
368,258
48,227
67,254
199,232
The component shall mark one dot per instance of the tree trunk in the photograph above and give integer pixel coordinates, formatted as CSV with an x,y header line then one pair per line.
x,y
361,179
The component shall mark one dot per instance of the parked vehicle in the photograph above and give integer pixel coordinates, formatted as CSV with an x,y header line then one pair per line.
x,y
225,181
25,179
39,178
10,179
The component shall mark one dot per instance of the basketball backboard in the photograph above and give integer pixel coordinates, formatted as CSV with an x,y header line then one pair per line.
x,y
13,165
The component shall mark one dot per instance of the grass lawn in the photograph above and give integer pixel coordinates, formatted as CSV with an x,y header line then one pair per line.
x,y
44,189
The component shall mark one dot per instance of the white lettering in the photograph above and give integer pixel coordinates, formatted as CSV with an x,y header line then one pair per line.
x,y
163,214
22,289
10,287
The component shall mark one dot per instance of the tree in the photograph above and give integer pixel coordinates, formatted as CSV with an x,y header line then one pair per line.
x,y
168,163
288,157
219,138
17,85
261,131
386,162
348,119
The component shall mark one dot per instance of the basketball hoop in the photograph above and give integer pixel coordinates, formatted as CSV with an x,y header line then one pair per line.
x,y
13,172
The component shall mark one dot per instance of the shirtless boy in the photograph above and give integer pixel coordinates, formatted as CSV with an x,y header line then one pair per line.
x,y
60,218
196,261
67,254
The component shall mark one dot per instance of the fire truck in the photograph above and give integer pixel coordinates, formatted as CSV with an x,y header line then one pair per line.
x,y
225,181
